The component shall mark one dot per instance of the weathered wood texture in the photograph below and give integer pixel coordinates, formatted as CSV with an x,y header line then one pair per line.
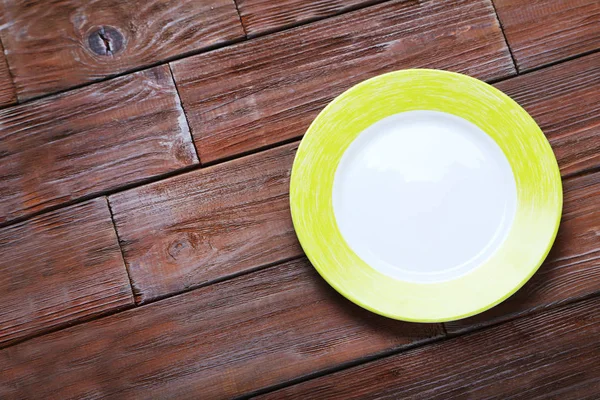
x,y
554,355
207,224
8,94
572,269
216,342
57,44
261,16
564,100
60,267
90,140
254,94
546,31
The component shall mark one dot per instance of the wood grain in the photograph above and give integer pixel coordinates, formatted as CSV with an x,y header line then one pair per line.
x,y
61,267
91,140
254,94
545,31
217,342
208,224
57,44
554,355
8,95
564,100
262,16
572,269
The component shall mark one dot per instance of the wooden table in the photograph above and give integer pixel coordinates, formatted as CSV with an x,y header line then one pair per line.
x,y
146,246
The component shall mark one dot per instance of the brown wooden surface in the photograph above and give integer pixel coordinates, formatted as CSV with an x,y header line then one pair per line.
x,y
554,355
572,269
216,342
545,31
7,89
208,224
219,301
261,16
564,100
50,44
90,140
57,268
266,91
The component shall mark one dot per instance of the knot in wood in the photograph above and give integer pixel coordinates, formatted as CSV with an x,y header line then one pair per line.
x,y
106,41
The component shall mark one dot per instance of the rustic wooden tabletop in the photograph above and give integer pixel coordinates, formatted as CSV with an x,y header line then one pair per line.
x,y
146,245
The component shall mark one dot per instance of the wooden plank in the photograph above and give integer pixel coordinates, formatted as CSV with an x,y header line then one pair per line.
x,y
545,31
91,140
208,224
8,95
572,268
254,94
554,355
262,16
57,44
564,100
217,342
61,267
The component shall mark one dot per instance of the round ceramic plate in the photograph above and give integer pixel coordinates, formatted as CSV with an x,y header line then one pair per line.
x,y
425,195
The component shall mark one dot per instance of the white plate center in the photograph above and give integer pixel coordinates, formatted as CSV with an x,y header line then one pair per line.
x,y
424,196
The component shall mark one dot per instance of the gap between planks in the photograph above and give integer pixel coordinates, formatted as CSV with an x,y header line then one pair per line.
x,y
112,219
154,300
426,342
237,9
556,62
12,80
512,57
127,72
347,365
67,325
187,120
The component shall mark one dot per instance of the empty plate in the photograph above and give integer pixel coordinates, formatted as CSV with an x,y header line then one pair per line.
x,y
425,195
